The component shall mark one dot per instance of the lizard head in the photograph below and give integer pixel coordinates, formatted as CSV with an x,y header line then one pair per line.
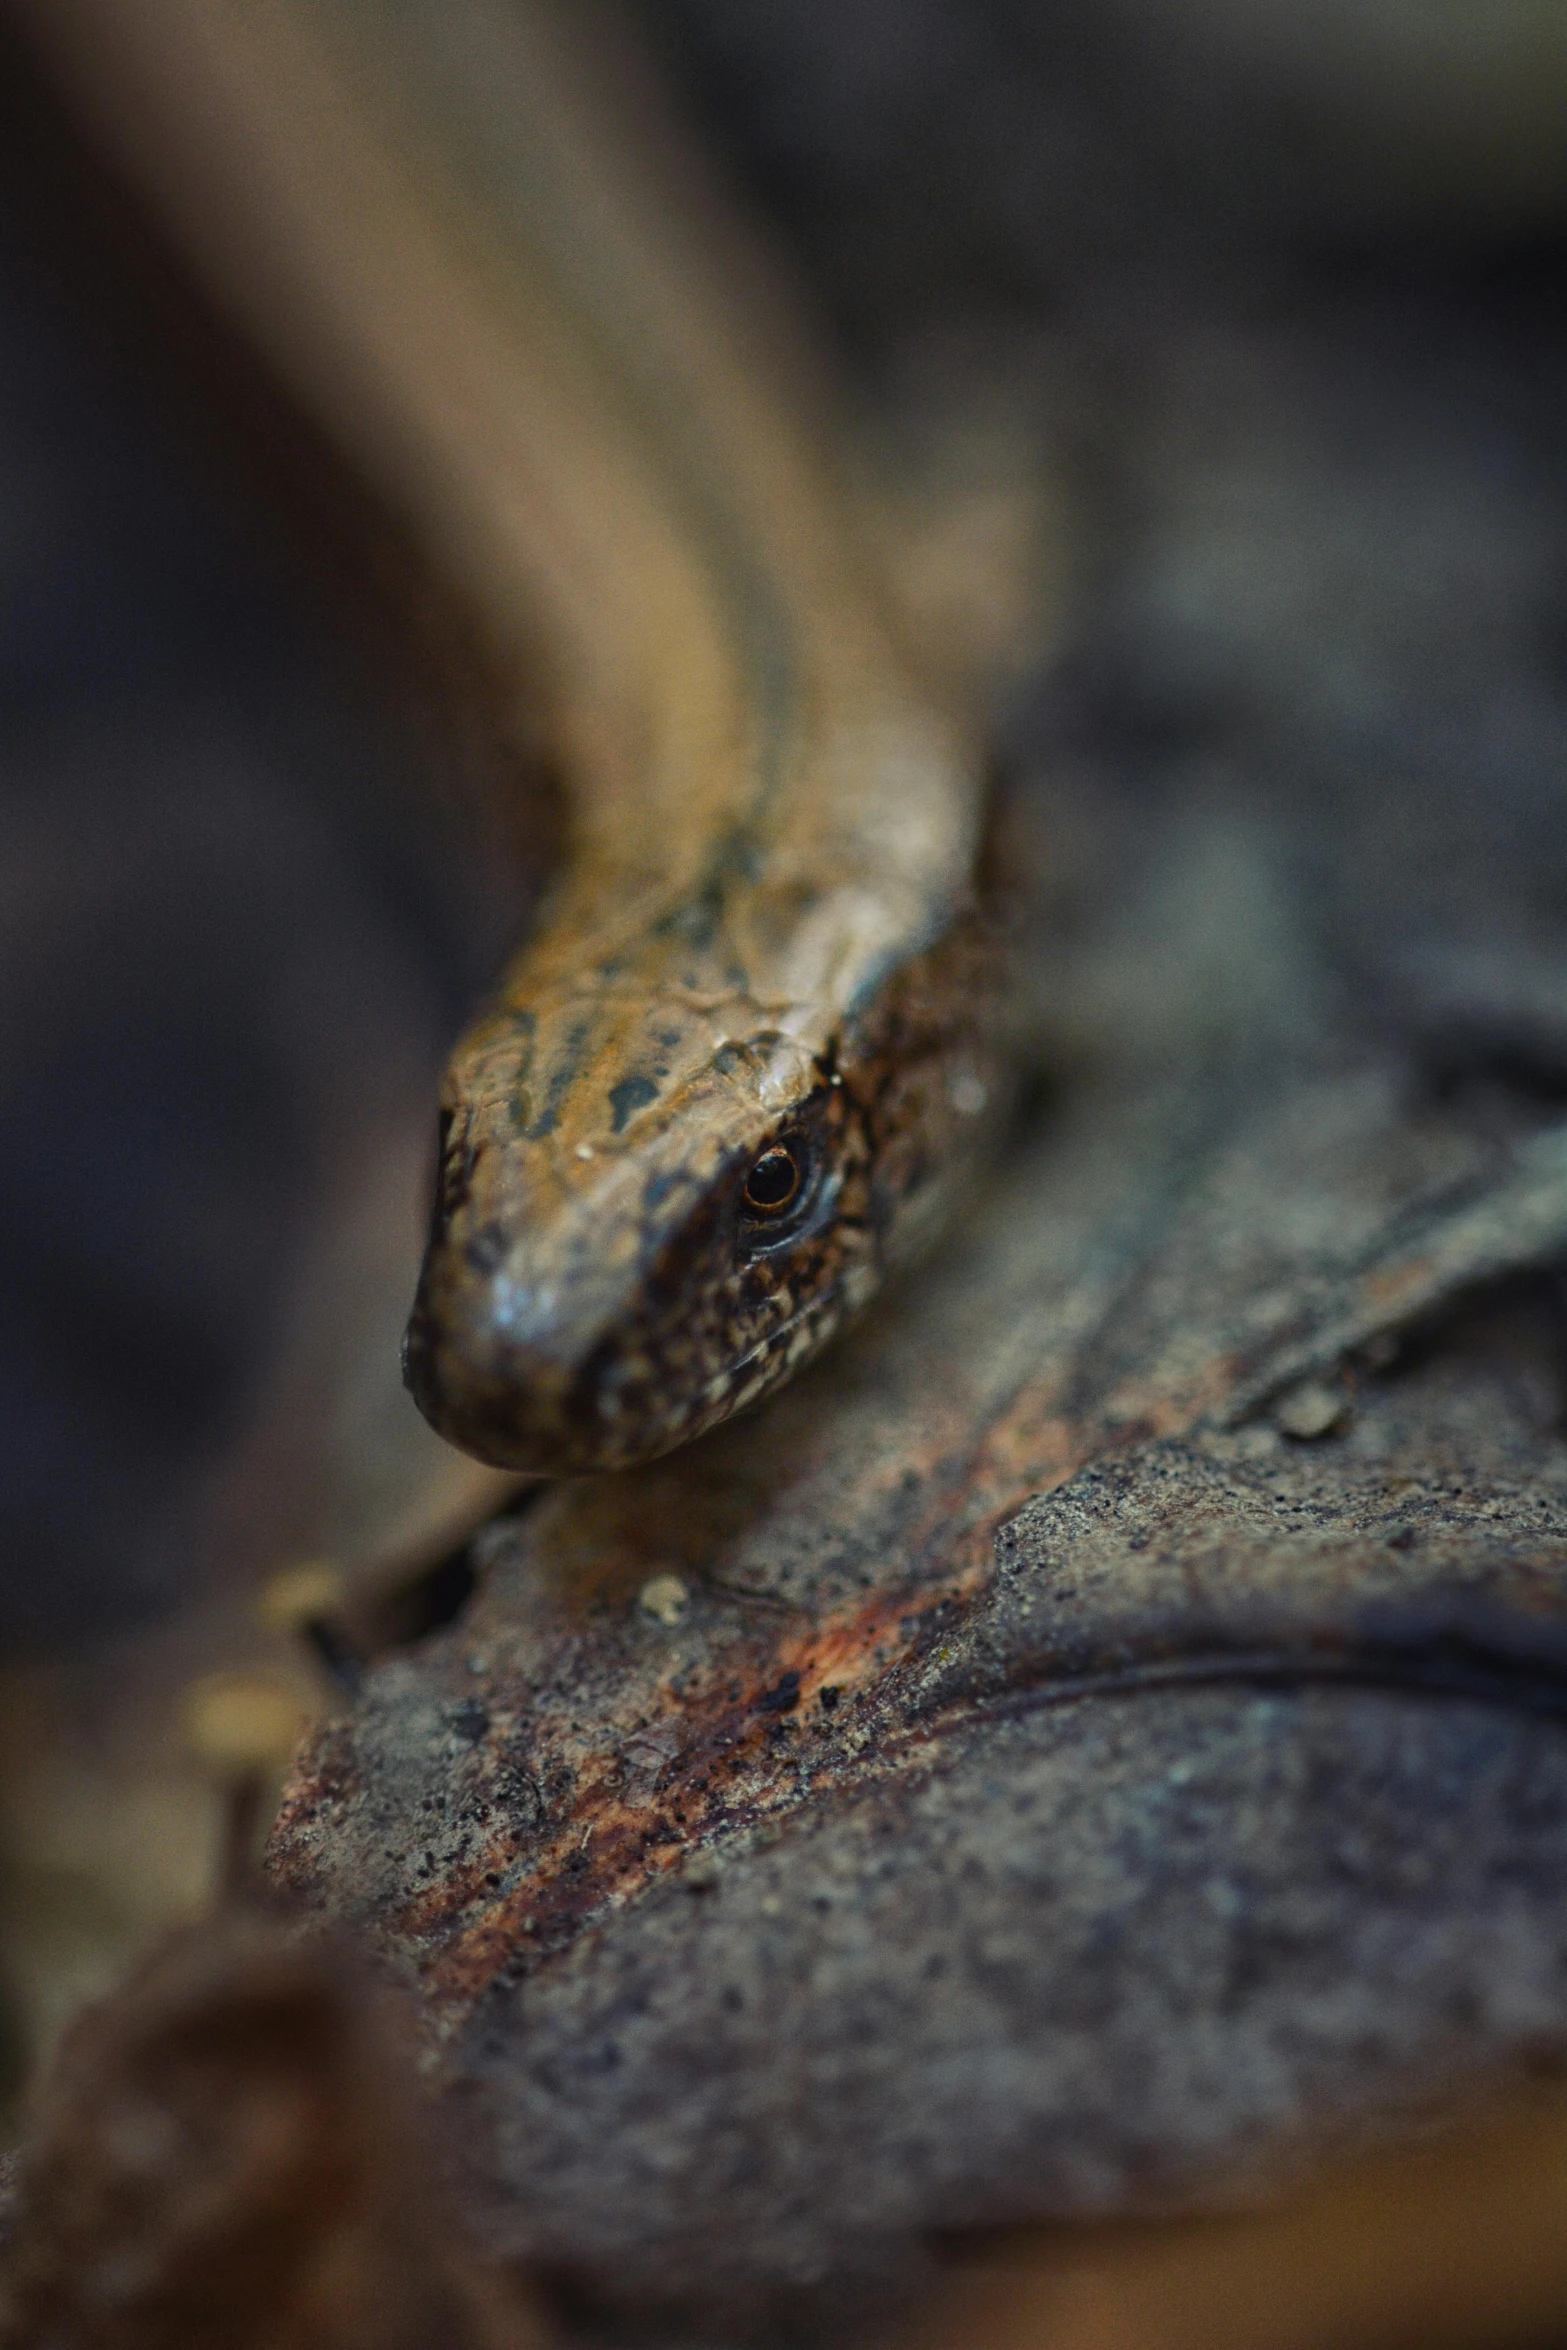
x,y
645,1218
653,1208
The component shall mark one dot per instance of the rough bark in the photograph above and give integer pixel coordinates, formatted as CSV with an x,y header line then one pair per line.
x,y
1101,1735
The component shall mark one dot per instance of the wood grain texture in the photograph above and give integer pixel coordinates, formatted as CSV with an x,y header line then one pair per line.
x,y
799,1846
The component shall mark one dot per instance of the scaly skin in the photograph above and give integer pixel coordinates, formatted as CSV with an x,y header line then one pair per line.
x,y
597,1289
558,365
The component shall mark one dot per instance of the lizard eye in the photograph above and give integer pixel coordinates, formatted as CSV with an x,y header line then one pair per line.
x,y
773,1184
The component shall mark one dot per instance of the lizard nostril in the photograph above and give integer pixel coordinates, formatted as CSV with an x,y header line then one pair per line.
x,y
487,1251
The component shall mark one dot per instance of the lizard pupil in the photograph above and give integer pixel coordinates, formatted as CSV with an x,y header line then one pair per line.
x,y
772,1182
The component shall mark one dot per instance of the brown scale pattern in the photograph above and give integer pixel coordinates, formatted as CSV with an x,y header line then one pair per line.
x,y
483,268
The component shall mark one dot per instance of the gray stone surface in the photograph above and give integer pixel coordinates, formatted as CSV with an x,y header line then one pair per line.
x,y
1085,1960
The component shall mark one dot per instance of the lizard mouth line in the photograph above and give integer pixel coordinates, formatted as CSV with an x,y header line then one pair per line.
x,y
767,1346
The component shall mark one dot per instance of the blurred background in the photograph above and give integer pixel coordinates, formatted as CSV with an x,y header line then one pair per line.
x,y
1253,313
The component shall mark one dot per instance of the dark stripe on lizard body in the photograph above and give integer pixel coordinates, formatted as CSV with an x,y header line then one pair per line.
x,y
746,1057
